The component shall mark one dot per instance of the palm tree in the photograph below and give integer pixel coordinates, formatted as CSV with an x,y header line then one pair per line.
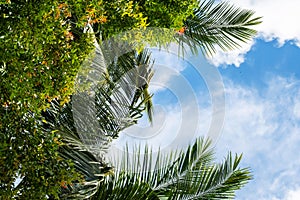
x,y
121,97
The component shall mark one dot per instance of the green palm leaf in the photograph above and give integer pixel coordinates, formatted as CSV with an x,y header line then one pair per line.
x,y
189,174
119,102
221,25
215,181
93,168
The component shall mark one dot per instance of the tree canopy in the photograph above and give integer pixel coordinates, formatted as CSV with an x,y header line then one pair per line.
x,y
42,47
44,44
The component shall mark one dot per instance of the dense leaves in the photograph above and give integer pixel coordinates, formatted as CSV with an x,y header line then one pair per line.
x,y
42,49
43,151
30,155
40,56
39,60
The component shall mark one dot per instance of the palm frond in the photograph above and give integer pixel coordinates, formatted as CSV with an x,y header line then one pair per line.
x,y
194,158
124,187
221,24
112,88
215,181
88,127
122,98
189,174
59,119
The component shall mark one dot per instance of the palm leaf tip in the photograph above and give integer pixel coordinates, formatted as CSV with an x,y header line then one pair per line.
x,y
222,24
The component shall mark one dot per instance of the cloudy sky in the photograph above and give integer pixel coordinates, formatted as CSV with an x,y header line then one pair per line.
x,y
252,95
262,86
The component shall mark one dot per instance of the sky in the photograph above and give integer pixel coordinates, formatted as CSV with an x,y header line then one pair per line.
x,y
251,96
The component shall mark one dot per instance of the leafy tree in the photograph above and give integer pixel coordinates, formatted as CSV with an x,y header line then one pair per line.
x,y
43,45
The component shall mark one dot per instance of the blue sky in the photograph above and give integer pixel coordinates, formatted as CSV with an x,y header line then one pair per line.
x,y
262,119
261,85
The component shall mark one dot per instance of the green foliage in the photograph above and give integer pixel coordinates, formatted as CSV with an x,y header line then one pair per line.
x,y
120,101
126,15
60,120
39,60
43,46
42,49
220,25
168,13
39,55
189,174
28,152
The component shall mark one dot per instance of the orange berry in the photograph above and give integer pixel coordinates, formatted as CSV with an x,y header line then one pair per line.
x,y
181,30
63,184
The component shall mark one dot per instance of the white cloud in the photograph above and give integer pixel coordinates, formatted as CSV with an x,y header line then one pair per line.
x,y
280,19
280,22
167,66
263,126
235,57
293,194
